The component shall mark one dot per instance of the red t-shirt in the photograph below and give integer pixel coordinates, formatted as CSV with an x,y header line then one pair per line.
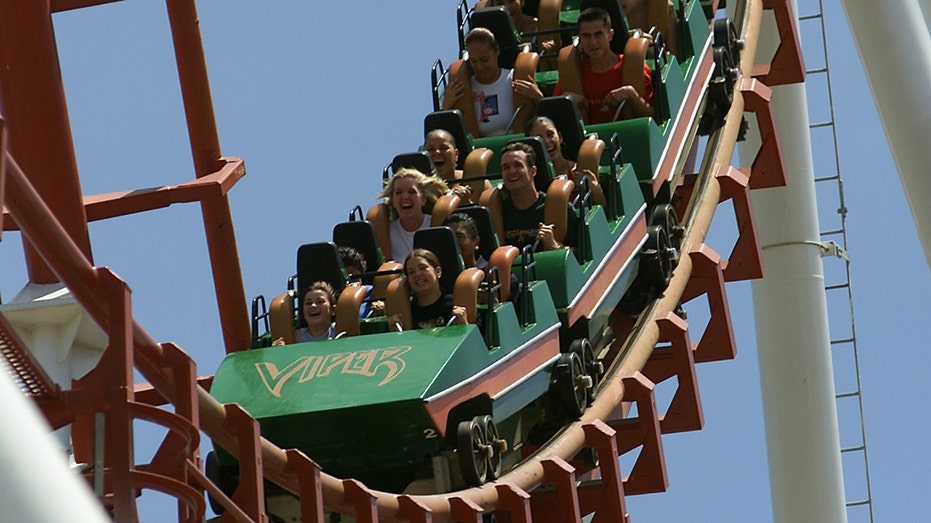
x,y
598,85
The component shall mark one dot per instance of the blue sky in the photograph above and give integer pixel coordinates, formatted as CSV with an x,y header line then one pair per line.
x,y
318,97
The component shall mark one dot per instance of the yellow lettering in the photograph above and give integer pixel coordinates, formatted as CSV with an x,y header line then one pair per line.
x,y
274,379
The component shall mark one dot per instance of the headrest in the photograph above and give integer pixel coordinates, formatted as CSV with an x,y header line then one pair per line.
x,y
452,122
319,262
486,229
419,160
498,21
565,115
441,241
360,235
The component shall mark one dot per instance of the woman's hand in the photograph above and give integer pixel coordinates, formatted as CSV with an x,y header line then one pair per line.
x,y
279,342
527,88
463,191
452,94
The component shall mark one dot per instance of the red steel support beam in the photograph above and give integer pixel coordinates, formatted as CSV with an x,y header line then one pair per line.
x,y
746,259
250,494
308,477
513,504
717,342
205,148
768,169
3,150
362,500
648,474
33,101
787,65
413,511
464,510
561,504
677,359
607,501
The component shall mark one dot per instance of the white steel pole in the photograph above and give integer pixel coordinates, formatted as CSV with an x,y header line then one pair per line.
x,y
894,44
36,484
797,380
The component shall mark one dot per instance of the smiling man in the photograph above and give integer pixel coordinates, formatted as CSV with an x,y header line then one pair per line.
x,y
522,205
601,73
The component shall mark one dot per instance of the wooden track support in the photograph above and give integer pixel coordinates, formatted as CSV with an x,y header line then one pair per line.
x,y
717,341
676,359
787,65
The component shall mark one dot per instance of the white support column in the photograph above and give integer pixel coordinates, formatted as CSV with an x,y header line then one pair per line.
x,y
791,326
894,44
36,484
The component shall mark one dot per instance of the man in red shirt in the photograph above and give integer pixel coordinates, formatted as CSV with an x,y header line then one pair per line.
x,y
601,73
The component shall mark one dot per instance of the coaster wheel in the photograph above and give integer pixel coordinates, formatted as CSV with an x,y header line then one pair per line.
x,y
571,384
474,452
664,215
498,447
655,260
594,369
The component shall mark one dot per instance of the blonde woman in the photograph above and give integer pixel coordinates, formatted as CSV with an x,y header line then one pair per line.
x,y
408,194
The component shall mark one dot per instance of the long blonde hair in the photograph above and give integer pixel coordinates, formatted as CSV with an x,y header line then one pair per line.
x,y
431,187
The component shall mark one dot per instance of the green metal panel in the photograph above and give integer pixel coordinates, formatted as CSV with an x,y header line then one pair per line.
x,y
641,139
335,374
697,29
674,85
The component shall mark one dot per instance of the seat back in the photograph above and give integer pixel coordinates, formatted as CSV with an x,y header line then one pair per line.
x,y
441,241
567,119
499,22
453,122
632,70
360,235
443,207
481,215
319,262
419,160
281,314
380,218
525,68
618,21
554,210
347,310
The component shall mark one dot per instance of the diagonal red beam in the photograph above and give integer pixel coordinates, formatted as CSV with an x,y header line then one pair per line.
x,y
205,149
33,101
